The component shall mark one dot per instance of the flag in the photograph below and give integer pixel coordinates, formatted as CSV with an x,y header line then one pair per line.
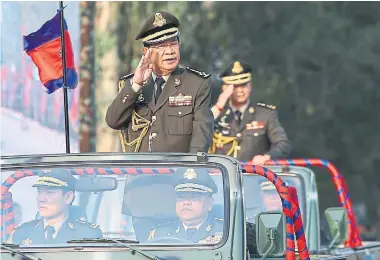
x,y
44,47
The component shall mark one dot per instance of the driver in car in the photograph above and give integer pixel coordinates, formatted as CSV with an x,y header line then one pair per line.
x,y
271,199
55,195
194,201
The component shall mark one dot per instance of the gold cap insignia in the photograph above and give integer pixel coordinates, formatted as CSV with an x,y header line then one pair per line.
x,y
237,68
190,174
251,110
159,20
27,241
208,228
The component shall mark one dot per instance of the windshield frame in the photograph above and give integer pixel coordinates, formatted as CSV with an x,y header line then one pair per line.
x,y
14,163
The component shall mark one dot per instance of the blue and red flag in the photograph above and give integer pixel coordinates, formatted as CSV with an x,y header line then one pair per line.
x,y
44,47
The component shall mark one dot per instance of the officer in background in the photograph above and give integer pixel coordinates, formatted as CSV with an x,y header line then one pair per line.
x,y
244,130
270,197
163,107
194,201
55,194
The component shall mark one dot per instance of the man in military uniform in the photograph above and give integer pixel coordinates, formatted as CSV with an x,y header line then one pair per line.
x,y
243,130
194,201
55,194
163,107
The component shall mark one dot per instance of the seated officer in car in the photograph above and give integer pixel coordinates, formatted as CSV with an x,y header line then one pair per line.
x,y
55,195
270,196
194,201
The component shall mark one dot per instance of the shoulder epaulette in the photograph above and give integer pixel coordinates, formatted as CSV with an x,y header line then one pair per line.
x,y
33,221
87,223
122,81
266,106
200,73
127,76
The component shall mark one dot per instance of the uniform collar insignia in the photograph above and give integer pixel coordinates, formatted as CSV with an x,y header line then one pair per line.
x,y
208,228
251,110
177,230
27,241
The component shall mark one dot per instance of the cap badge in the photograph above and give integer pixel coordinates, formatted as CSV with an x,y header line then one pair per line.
x,y
190,174
159,20
237,68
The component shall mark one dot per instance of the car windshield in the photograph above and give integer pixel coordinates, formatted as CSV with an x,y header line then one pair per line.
x,y
261,195
151,205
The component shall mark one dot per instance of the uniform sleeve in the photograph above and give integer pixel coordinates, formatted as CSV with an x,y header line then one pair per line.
x,y
15,237
203,120
119,113
280,144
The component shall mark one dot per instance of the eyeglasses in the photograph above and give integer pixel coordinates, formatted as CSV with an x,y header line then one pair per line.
x,y
172,45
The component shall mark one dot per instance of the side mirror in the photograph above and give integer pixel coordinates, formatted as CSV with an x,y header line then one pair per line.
x,y
270,234
337,222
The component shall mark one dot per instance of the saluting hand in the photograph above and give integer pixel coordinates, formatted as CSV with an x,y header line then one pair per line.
x,y
144,69
225,95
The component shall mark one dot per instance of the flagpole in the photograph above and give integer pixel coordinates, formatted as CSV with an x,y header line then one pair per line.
x,y
65,100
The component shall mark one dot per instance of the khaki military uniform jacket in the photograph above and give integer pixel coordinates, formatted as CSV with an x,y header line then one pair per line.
x,y
259,133
181,121
33,232
210,232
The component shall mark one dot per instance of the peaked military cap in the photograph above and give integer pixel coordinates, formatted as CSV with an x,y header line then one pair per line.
x,y
159,27
236,73
268,186
194,180
58,178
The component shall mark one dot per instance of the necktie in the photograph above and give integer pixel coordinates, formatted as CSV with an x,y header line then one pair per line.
x,y
159,82
238,117
190,232
50,230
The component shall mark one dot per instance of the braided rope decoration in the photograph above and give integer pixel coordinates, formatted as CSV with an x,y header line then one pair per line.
x,y
291,210
285,192
353,239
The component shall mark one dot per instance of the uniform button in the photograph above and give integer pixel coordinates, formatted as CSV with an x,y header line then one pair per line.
x,y
179,113
125,98
238,135
153,118
154,135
